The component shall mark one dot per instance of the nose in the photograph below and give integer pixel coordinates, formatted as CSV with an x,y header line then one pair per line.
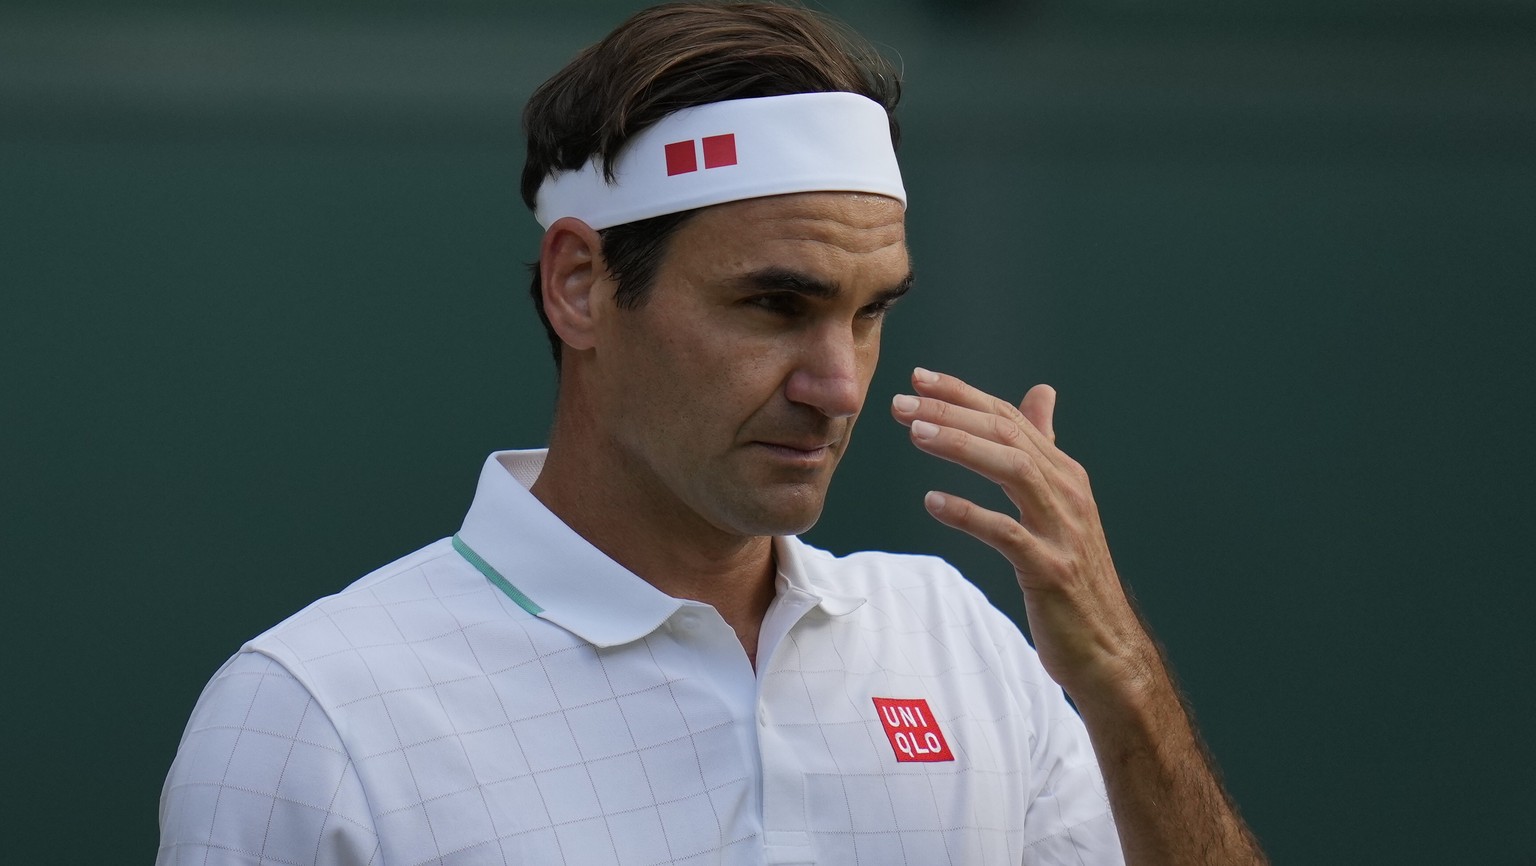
x,y
830,376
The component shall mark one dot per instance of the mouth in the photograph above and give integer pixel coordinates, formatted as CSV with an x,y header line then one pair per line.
x,y
802,453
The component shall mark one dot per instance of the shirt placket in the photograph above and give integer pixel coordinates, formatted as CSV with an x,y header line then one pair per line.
x,y
786,841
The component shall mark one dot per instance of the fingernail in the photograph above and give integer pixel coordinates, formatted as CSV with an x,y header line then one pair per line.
x,y
904,403
934,500
924,430
927,377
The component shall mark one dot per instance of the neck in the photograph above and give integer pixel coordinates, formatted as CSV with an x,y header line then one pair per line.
x,y
671,548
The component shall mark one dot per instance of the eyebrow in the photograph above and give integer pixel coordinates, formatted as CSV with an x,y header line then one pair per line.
x,y
786,280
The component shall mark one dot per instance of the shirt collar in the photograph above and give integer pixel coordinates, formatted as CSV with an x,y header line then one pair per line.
x,y
559,576
574,585
802,572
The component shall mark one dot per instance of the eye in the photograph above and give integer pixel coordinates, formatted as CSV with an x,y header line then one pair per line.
x,y
779,303
877,310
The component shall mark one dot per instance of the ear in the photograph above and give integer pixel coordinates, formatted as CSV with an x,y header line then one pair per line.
x,y
571,268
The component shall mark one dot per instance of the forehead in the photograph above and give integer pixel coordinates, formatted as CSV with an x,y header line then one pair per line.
x,y
836,234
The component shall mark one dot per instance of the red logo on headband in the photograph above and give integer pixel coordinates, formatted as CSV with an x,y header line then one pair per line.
x,y
683,156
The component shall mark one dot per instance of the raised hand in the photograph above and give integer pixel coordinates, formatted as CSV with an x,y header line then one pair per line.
x,y
1169,805
1088,636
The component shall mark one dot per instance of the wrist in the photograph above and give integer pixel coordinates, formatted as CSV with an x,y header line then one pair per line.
x,y
1134,682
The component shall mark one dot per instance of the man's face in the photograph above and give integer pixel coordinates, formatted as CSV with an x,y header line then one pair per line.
x,y
730,394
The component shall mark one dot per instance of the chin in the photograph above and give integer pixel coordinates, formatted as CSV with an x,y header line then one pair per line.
x,y
775,518
794,527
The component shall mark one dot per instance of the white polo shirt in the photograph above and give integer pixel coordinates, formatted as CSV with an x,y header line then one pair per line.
x,y
513,696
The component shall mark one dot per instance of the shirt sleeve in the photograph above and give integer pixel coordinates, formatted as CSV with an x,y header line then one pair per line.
x,y
1069,820
262,776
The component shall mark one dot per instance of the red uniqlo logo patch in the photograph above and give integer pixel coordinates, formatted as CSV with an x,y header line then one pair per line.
x,y
913,731
683,156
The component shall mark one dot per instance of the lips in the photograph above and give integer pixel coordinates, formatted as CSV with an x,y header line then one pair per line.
x,y
800,446
808,443
804,453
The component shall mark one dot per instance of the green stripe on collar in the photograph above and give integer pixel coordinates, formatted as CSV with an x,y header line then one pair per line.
x,y
495,577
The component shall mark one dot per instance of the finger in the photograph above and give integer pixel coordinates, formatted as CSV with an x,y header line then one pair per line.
x,y
998,531
950,389
1039,406
1020,473
907,409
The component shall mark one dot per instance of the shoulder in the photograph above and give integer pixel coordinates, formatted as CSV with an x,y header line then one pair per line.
x,y
261,770
427,605
335,617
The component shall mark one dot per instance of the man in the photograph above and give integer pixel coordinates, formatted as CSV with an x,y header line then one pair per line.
x,y
625,655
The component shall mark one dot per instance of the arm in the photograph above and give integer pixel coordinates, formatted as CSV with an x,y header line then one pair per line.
x,y
1168,804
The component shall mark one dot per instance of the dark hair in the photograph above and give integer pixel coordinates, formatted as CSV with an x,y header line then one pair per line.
x,y
672,57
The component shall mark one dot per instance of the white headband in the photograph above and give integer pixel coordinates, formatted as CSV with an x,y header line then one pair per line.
x,y
733,150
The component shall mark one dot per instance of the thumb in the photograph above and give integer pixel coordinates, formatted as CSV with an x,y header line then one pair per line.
x,y
1039,406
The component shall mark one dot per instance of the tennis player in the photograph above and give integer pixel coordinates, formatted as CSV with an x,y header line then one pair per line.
x,y
625,655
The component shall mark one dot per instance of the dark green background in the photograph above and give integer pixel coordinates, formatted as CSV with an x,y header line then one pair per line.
x,y
264,313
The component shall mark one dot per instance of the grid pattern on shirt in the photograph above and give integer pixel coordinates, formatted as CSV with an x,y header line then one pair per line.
x,y
420,717
481,735
927,633
262,778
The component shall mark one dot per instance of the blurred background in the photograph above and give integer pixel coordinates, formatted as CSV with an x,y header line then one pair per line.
x,y
264,313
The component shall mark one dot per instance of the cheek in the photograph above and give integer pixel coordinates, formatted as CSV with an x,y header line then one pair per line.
x,y
735,385
734,367
689,383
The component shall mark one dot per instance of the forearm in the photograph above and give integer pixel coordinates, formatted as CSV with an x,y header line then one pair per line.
x,y
1167,801
1169,805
